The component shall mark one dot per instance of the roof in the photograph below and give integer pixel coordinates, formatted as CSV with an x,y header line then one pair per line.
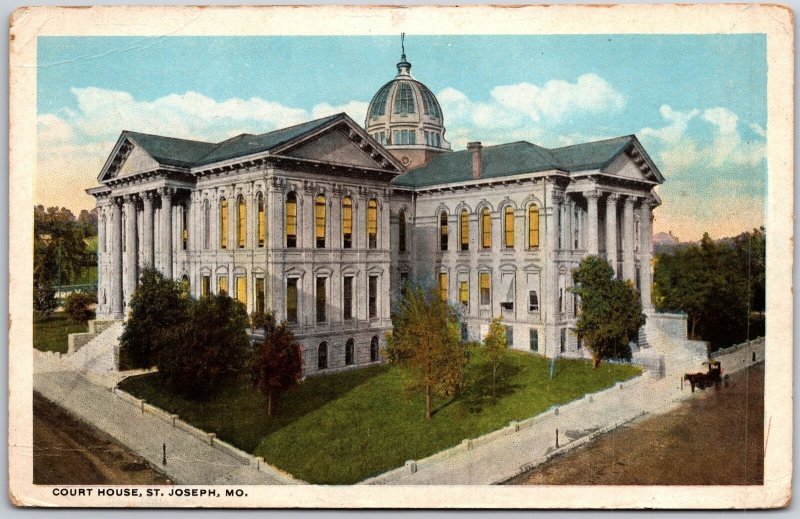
x,y
514,159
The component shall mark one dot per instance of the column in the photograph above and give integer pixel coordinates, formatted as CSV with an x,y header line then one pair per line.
x,y
166,230
611,230
116,258
628,263
130,247
551,275
646,229
147,228
592,231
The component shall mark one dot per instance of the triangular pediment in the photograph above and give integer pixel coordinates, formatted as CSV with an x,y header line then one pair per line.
x,y
137,161
634,164
127,158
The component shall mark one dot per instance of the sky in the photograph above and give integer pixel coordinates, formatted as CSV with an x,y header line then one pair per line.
x,y
696,102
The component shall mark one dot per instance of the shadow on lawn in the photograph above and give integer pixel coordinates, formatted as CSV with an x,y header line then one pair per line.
x,y
477,391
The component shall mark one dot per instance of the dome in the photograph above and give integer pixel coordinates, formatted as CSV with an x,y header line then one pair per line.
x,y
405,115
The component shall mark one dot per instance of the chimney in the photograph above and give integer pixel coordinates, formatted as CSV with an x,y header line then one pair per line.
x,y
477,161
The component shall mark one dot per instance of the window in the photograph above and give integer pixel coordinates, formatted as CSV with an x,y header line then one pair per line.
x,y
486,287
561,300
486,229
443,231
576,230
534,339
575,302
241,222
510,336
463,293
404,100
184,227
321,300
580,343
205,287
401,231
185,285
373,297
206,224
347,222
374,347
291,300
443,286
563,340
533,301
291,220
223,223
349,352
322,356
348,298
379,103
241,290
509,227
262,220
372,223
260,295
464,225
319,221
533,226
222,285
405,137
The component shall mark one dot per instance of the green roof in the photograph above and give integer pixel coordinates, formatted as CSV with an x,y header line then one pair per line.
x,y
515,158
169,150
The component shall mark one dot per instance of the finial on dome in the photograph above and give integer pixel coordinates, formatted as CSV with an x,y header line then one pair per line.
x,y
404,67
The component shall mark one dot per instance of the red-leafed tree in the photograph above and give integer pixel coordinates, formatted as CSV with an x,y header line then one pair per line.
x,y
277,364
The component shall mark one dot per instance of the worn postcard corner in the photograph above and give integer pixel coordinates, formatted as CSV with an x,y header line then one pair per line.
x,y
471,257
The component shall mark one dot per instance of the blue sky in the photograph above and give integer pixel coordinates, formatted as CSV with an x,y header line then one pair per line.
x,y
698,103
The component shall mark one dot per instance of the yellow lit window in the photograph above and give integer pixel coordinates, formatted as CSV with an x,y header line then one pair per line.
x,y
319,221
205,289
443,286
260,295
291,220
262,221
509,227
241,222
486,288
241,289
223,224
464,222
372,223
222,285
533,226
463,293
347,222
486,229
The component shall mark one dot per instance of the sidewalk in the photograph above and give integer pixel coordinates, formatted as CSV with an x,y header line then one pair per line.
x,y
189,460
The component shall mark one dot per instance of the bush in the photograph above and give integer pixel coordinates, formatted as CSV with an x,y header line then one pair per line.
x,y
208,350
44,297
260,320
77,306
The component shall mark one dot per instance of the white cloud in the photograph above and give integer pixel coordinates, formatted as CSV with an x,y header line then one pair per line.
x,y
722,118
678,122
357,110
758,130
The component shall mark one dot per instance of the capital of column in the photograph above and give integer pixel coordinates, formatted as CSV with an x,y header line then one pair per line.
x,y
631,200
592,195
557,197
166,191
612,199
117,201
130,199
147,196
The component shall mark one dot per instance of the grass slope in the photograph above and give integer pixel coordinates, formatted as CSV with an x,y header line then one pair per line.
x,y
51,335
345,427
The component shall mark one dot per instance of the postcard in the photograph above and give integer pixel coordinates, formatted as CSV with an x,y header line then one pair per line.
x,y
401,257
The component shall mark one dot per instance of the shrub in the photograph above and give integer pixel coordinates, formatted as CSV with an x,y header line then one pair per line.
x,y
260,320
78,306
44,297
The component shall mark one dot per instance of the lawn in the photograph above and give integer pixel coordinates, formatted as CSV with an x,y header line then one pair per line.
x,y
345,427
51,335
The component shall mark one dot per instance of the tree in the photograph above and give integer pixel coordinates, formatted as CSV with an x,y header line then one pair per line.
x,y
259,320
59,246
494,346
78,306
44,296
158,308
277,363
610,310
426,344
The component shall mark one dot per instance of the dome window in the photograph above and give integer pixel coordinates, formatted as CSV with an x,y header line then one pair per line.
x,y
378,107
429,103
405,137
404,100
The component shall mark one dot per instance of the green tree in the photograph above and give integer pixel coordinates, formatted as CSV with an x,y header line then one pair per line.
x,y
610,311
495,345
158,309
209,350
44,297
59,247
77,306
277,363
426,344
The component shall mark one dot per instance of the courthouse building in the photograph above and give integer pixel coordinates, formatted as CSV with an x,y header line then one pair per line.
x,y
322,222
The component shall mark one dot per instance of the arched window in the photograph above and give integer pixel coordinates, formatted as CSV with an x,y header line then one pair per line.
x,y
374,346
223,223
486,229
533,226
319,221
241,221
349,352
185,286
372,223
443,234
404,100
509,227
401,231
322,356
262,220
464,225
206,224
347,222
291,220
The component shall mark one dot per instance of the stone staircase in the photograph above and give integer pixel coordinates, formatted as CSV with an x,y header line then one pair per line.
x,y
100,353
666,334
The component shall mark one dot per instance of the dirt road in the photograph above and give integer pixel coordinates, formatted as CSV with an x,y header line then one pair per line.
x,y
716,438
66,451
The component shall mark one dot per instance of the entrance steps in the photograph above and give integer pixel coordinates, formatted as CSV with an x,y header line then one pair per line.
x,y
666,334
100,354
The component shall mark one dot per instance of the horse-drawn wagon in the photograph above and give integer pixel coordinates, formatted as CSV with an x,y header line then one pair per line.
x,y
703,380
